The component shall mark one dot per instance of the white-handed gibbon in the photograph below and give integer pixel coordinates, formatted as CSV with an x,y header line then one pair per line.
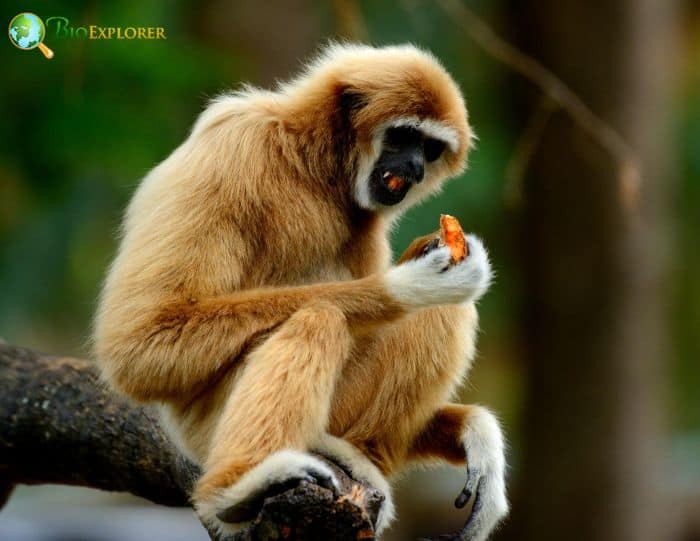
x,y
253,298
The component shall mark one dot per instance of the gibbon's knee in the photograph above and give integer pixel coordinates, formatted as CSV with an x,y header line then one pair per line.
x,y
318,321
454,430
315,338
443,436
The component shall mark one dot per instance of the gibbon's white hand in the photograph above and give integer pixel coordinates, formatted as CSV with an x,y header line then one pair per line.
x,y
430,280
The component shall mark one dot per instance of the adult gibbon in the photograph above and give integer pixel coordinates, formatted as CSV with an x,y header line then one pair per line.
x,y
254,300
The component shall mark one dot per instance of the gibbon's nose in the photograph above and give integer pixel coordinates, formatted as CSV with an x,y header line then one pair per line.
x,y
415,167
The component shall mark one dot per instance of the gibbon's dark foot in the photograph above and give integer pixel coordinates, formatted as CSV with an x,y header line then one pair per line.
x,y
230,508
484,449
249,508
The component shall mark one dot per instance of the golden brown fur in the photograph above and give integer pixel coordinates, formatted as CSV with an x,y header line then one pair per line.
x,y
249,294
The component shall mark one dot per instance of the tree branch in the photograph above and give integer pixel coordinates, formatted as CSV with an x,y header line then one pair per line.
x,y
60,424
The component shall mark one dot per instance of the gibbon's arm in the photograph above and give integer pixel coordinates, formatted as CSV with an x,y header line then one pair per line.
x,y
183,345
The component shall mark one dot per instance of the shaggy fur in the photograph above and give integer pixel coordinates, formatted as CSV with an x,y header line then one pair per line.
x,y
252,296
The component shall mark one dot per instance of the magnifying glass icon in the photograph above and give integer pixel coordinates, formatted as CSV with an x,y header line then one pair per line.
x,y
27,31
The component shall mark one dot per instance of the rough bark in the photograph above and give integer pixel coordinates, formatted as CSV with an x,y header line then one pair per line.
x,y
60,424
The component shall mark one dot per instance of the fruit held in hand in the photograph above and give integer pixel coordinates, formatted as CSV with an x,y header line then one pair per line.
x,y
452,236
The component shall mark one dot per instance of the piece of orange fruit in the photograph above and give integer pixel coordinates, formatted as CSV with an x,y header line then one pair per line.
x,y
452,236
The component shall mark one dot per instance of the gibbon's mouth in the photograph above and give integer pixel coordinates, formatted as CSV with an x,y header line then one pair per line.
x,y
393,182
388,188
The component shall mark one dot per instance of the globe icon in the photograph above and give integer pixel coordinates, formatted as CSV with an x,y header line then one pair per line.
x,y
27,32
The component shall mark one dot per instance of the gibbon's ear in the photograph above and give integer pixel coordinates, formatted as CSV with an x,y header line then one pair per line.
x,y
349,100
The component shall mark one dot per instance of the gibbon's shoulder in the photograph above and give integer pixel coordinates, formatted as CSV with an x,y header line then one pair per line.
x,y
246,102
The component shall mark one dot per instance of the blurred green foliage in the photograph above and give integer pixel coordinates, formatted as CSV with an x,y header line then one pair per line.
x,y
79,131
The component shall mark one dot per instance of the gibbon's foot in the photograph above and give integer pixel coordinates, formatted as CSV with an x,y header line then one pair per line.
x,y
432,280
360,468
483,444
231,509
249,508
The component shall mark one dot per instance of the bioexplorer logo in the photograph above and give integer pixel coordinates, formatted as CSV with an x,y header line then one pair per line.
x,y
60,28
27,31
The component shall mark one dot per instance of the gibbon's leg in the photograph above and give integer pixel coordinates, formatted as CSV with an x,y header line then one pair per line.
x,y
392,384
389,389
394,380
279,407
405,421
468,434
415,363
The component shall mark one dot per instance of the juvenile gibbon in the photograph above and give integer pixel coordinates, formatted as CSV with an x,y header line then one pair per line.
x,y
254,301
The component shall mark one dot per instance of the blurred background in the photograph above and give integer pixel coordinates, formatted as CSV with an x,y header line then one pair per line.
x,y
586,194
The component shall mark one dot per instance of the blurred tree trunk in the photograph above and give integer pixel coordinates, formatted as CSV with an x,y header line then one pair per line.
x,y
593,259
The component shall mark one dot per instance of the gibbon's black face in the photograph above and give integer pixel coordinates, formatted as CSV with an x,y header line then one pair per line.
x,y
405,152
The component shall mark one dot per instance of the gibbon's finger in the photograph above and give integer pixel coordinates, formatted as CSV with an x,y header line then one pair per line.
x,y
420,247
463,498
449,234
432,245
474,524
472,483
249,508
324,481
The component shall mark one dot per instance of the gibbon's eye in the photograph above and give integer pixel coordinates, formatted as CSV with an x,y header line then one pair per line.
x,y
401,137
351,100
433,149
